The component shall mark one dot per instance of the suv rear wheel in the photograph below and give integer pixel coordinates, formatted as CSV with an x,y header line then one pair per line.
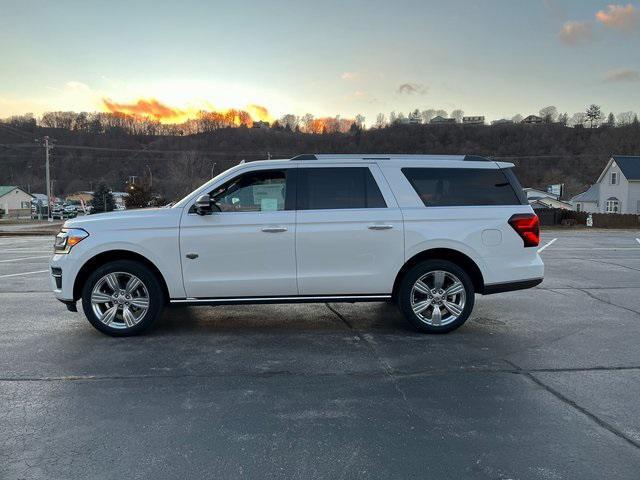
x,y
122,298
436,296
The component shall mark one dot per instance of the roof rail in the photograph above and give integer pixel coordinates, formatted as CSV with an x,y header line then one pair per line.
x,y
350,156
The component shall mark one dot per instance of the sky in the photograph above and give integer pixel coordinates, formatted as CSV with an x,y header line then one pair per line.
x,y
495,58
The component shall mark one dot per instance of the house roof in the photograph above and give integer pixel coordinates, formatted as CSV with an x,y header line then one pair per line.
x,y
591,195
4,189
629,165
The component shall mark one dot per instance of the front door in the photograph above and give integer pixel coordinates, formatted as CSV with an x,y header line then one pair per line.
x,y
349,237
247,249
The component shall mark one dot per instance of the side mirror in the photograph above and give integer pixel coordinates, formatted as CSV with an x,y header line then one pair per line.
x,y
203,205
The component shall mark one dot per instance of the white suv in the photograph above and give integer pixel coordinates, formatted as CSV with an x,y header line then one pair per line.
x,y
427,232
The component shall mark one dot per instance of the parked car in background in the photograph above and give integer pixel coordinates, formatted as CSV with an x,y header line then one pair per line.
x,y
427,232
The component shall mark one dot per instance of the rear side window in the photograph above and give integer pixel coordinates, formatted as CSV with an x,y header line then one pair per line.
x,y
338,188
445,187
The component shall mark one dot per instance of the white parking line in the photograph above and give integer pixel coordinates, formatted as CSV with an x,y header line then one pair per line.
x,y
21,274
546,245
23,258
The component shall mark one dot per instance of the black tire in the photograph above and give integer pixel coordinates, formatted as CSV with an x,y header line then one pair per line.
x,y
122,268
426,268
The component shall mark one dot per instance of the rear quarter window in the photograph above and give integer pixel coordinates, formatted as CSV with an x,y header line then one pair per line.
x,y
448,187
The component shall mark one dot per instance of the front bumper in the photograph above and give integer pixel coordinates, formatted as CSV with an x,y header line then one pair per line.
x,y
62,274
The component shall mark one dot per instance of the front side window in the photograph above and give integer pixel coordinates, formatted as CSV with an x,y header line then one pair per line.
x,y
328,188
259,191
614,178
613,205
446,187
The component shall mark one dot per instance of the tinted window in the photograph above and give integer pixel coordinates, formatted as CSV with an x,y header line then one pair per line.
x,y
259,191
438,187
335,188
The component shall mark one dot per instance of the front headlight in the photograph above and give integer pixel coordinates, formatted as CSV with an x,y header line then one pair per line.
x,y
67,238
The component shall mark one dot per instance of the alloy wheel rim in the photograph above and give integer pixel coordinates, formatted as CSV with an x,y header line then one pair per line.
x,y
120,300
438,298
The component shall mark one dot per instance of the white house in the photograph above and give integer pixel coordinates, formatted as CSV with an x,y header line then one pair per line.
x,y
617,189
587,201
14,200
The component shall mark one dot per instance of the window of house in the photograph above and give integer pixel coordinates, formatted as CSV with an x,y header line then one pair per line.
x,y
613,205
328,188
614,178
258,191
443,187
578,207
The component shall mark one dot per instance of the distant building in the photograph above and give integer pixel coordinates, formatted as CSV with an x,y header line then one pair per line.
x,y
617,189
414,119
532,119
82,197
118,198
535,193
439,120
14,201
260,124
540,199
502,121
475,120
587,201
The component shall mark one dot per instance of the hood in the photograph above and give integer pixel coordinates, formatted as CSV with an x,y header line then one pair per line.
x,y
143,218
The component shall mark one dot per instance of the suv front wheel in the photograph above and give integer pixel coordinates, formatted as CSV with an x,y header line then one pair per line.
x,y
436,296
122,298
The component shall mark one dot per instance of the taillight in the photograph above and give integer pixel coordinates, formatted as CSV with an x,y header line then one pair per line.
x,y
528,227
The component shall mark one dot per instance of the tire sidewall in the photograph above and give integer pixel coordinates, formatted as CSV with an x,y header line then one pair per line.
x,y
156,296
404,300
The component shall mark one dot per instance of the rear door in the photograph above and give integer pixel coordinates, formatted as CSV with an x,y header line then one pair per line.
x,y
349,236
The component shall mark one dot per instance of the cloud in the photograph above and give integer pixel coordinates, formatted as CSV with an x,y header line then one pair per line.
x,y
349,76
619,17
412,89
622,75
576,33
73,85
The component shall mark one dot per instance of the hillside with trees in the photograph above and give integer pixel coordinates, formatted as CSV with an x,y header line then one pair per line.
x,y
173,159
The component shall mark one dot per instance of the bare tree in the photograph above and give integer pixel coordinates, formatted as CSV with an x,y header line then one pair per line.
x,y
289,121
563,119
441,113
457,114
380,121
517,118
611,120
307,122
594,114
427,115
359,122
578,118
625,118
549,114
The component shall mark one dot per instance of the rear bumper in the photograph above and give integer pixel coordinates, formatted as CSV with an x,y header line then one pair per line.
x,y
510,286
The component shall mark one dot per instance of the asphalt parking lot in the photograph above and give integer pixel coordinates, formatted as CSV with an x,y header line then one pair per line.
x,y
539,384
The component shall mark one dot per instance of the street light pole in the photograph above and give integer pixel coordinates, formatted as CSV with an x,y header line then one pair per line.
x,y
213,167
48,178
150,177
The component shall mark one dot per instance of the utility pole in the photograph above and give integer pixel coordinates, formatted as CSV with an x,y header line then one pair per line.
x,y
150,177
213,167
47,147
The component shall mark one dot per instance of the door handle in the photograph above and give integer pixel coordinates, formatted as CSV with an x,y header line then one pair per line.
x,y
378,226
191,256
274,229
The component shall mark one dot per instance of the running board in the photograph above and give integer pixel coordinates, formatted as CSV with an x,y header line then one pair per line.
x,y
292,299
